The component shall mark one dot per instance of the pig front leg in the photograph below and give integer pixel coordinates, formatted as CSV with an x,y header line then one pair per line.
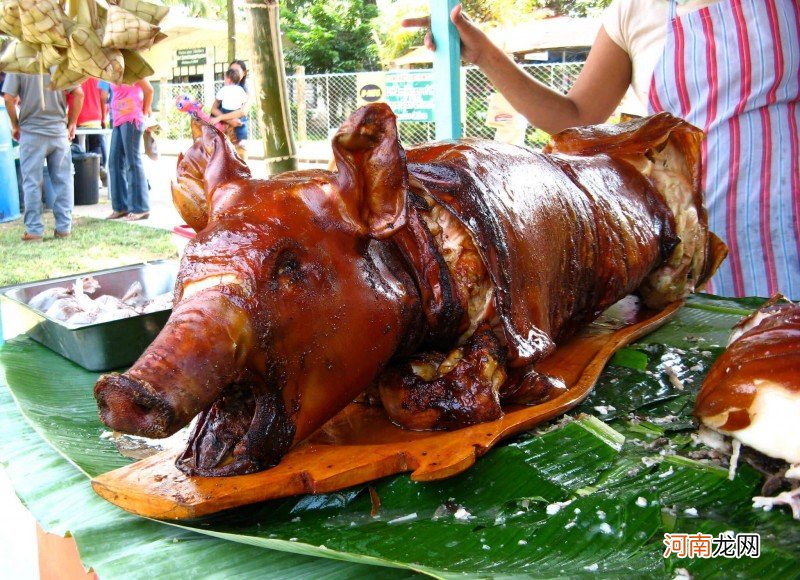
x,y
527,386
435,391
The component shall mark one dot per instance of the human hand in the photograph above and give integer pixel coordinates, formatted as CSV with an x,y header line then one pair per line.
x,y
234,122
473,40
71,131
15,133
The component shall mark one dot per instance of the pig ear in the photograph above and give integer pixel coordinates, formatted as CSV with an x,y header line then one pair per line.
x,y
373,180
210,162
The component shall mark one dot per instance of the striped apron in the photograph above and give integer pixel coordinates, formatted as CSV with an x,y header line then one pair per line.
x,y
733,69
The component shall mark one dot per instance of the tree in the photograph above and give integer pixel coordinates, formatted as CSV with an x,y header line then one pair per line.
x,y
330,35
230,16
268,68
200,8
395,41
574,8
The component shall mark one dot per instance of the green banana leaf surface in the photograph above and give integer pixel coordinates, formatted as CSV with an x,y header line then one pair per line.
x,y
590,494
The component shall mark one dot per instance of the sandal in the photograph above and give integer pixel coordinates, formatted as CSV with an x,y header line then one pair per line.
x,y
133,217
115,215
26,237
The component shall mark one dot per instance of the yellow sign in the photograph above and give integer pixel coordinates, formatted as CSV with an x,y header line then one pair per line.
x,y
371,88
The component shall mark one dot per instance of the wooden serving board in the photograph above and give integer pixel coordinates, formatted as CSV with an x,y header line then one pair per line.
x,y
360,444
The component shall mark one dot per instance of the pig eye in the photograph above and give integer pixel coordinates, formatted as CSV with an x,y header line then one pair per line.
x,y
287,266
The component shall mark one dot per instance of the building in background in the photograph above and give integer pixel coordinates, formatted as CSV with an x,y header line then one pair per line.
x,y
195,51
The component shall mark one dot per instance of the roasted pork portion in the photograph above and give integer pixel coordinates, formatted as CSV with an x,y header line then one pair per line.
x,y
752,392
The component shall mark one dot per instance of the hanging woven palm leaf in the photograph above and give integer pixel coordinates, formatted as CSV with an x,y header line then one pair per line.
x,y
86,54
43,22
25,58
82,37
135,67
9,18
64,77
147,11
126,30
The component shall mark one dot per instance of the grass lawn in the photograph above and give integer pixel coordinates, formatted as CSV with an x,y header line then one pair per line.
x,y
95,244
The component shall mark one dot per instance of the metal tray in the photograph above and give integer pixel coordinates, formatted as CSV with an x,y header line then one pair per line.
x,y
105,345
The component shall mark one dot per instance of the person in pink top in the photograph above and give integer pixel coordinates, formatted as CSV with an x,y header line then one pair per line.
x,y
130,104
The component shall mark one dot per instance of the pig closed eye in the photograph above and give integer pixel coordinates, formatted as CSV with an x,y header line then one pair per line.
x,y
287,269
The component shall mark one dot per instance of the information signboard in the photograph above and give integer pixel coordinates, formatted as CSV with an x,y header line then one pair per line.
x,y
410,94
191,56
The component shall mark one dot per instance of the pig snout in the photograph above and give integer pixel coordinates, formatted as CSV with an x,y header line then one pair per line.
x,y
200,351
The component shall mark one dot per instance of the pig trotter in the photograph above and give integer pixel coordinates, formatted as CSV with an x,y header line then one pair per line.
x,y
525,386
435,391
246,430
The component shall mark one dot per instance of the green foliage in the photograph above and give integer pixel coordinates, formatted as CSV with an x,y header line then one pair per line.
x,y
392,38
574,8
201,8
329,36
476,118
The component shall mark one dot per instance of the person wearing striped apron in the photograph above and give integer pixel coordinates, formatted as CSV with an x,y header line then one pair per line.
x,y
733,69
730,67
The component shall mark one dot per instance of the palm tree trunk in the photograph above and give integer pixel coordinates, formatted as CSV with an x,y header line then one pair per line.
x,y
231,16
270,86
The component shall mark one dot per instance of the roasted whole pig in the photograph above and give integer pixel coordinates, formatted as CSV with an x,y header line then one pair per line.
x,y
439,275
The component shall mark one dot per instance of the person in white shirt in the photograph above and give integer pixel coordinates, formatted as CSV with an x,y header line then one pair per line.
x,y
231,99
730,67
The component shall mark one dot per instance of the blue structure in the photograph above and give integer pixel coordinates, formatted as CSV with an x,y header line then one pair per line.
x,y
9,192
446,71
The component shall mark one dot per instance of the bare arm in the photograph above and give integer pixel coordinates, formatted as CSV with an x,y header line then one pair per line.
x,y
103,107
147,96
218,115
74,111
598,90
11,109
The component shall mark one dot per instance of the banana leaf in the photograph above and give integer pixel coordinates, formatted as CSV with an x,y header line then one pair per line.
x,y
591,494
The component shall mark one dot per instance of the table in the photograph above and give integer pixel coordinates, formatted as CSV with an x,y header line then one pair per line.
x,y
59,496
82,132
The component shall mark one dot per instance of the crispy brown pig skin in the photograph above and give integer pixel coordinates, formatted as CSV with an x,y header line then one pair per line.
x,y
765,356
563,237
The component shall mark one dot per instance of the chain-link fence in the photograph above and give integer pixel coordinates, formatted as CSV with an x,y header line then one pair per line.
x,y
175,123
320,103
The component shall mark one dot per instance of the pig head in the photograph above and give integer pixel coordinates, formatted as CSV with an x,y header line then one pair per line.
x,y
301,291
287,303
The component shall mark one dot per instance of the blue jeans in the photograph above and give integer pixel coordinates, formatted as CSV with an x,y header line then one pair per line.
x,y
96,144
33,150
127,181
239,132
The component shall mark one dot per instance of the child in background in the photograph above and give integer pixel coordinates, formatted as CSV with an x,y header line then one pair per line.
x,y
231,98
